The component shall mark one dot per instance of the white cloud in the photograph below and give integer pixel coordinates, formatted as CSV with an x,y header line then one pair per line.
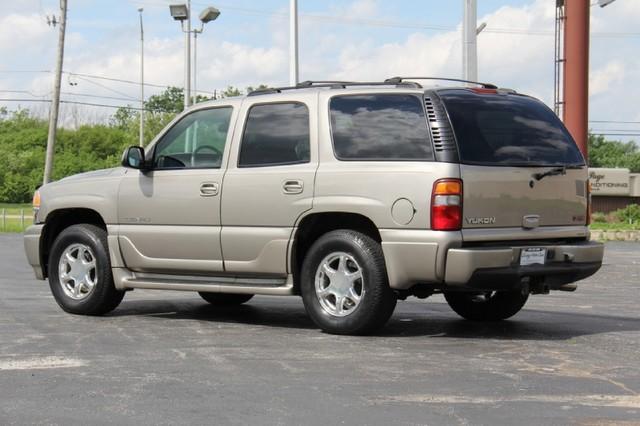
x,y
520,61
19,32
363,8
601,79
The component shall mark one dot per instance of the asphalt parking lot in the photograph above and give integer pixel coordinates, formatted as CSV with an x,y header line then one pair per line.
x,y
170,358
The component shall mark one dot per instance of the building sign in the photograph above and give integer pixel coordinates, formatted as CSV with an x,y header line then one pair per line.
x,y
610,181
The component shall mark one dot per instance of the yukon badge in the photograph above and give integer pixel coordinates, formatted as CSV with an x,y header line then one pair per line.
x,y
481,220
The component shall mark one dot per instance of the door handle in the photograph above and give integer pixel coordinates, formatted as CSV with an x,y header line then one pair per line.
x,y
208,189
293,187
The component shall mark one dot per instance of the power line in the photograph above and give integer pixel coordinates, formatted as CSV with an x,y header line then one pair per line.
x,y
88,95
101,77
64,101
385,23
614,121
616,130
615,134
120,80
104,87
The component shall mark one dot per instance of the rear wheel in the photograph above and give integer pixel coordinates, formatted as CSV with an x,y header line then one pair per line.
x,y
486,306
80,271
225,299
344,284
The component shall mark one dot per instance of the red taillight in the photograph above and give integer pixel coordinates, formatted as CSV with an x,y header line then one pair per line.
x,y
446,205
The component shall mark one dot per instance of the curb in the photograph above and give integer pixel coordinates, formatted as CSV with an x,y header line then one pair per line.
x,y
613,235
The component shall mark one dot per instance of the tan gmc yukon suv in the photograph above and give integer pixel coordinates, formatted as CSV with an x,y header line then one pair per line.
x,y
351,195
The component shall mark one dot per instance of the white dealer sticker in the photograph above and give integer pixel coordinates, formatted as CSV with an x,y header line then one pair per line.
x,y
533,256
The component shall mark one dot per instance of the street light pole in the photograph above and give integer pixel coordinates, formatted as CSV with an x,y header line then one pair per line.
x,y
195,64
469,41
141,80
187,59
182,12
293,42
55,102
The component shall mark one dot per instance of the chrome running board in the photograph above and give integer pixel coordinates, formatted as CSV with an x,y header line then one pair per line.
x,y
125,279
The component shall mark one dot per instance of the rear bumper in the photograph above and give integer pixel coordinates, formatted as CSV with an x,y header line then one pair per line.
x,y
511,277
32,249
498,268
439,259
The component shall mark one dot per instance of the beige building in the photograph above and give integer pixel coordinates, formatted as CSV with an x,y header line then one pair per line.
x,y
613,188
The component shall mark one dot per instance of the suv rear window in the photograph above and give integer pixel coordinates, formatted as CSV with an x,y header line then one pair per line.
x,y
508,130
380,127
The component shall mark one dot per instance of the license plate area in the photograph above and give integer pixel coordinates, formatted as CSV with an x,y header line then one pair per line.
x,y
533,256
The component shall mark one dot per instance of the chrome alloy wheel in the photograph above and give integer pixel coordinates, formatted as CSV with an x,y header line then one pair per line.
x,y
339,284
77,271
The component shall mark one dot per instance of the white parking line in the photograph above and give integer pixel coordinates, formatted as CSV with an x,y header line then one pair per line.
x,y
41,363
626,401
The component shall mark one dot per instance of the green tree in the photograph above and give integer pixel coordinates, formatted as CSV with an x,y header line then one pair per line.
x,y
123,117
604,153
260,87
231,91
171,100
23,140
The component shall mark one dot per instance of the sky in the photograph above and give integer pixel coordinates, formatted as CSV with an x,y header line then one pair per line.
x,y
347,40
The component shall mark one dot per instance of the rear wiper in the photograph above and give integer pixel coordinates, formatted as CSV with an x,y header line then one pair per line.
x,y
553,172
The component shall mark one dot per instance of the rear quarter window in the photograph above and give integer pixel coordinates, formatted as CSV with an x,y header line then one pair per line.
x,y
508,130
380,127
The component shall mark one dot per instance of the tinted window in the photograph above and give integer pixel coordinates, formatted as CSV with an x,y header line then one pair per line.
x,y
196,141
275,134
380,127
508,130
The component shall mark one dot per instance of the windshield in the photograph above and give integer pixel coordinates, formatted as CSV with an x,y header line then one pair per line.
x,y
508,130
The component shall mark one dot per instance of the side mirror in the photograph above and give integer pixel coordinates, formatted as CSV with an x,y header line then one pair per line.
x,y
133,158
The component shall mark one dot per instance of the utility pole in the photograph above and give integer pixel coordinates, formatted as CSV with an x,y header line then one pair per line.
x,y
469,41
55,101
576,71
141,79
293,42
187,59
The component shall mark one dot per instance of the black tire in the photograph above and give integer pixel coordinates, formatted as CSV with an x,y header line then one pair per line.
x,y
225,299
377,300
103,297
489,306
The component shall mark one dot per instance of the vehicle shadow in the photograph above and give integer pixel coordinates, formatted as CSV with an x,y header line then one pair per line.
x,y
432,320
280,315
529,324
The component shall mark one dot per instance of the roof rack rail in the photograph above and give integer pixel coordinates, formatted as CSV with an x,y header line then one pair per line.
x,y
395,80
333,85
310,83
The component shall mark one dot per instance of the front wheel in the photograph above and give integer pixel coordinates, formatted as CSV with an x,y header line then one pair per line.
x,y
344,284
486,306
80,271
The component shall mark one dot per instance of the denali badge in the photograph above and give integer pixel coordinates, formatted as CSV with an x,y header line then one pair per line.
x,y
481,220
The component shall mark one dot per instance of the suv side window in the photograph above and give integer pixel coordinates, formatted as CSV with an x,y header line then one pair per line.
x,y
195,142
380,128
275,134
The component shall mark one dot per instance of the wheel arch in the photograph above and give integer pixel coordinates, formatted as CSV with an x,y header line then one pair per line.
x,y
313,225
59,220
